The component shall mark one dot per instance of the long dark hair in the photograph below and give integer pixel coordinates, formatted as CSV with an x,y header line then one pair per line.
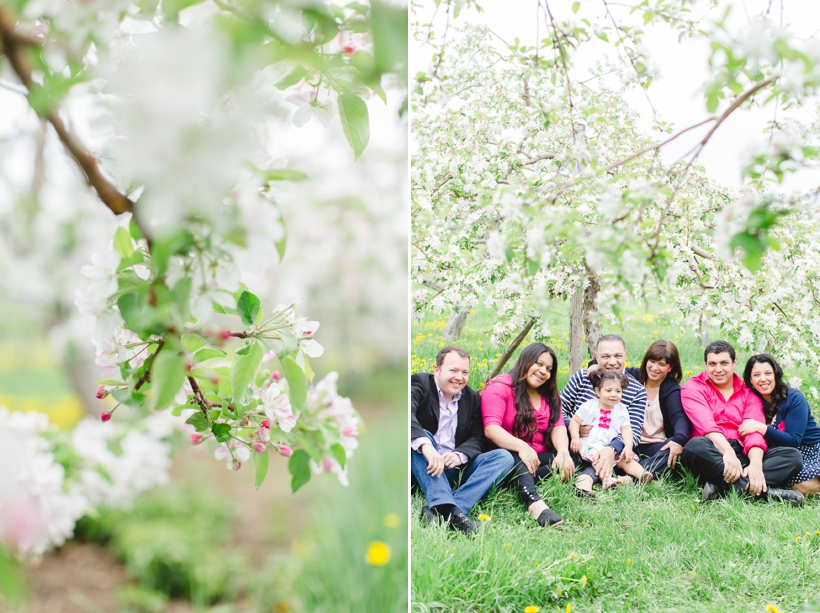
x,y
780,391
662,350
525,424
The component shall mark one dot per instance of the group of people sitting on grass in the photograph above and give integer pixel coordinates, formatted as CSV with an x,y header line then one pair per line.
x,y
610,425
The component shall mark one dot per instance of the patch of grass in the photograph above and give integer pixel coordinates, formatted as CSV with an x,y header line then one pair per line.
x,y
651,549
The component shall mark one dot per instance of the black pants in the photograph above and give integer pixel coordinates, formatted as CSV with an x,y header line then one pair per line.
x,y
704,460
655,462
522,479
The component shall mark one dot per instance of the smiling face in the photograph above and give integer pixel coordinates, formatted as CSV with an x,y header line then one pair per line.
x,y
610,393
763,379
611,355
720,368
452,375
539,372
656,370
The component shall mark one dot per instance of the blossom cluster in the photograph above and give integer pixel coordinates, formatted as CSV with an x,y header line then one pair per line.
x,y
52,478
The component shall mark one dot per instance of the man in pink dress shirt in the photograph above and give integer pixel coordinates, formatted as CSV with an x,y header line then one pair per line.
x,y
717,402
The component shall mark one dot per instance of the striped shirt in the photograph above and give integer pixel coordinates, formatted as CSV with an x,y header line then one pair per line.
x,y
579,390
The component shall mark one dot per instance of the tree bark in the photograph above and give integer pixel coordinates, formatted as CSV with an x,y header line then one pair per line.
x,y
511,349
455,325
592,326
576,330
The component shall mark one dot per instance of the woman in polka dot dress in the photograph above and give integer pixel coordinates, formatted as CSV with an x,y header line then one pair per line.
x,y
789,420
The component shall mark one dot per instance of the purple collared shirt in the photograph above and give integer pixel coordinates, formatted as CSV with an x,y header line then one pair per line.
x,y
445,437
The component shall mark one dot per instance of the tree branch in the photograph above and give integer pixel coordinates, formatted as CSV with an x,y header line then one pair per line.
x,y
13,47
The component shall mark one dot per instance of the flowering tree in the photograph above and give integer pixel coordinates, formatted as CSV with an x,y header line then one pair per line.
x,y
560,195
170,113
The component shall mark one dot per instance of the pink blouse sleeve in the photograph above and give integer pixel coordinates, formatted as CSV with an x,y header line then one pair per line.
x,y
494,403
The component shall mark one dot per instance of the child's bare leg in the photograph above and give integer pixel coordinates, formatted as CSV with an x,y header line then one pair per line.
x,y
634,469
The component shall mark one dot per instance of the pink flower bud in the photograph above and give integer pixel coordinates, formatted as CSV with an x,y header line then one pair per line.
x,y
225,334
265,423
284,450
246,421
236,465
214,380
101,393
275,375
351,431
196,438
189,366
263,434
327,465
105,416
259,447
349,48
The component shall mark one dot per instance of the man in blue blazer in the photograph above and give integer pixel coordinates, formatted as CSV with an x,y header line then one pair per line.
x,y
447,442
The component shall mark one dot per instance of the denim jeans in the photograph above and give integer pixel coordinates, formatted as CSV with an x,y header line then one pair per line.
x,y
473,479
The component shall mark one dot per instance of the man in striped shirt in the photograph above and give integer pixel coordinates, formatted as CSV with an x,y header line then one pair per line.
x,y
611,355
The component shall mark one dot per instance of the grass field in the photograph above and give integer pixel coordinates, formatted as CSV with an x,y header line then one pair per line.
x,y
653,549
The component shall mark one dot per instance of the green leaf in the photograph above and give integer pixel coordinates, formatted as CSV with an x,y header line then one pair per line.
x,y
222,432
285,174
288,344
192,342
299,467
167,376
297,382
260,465
390,36
712,102
180,296
177,410
199,422
248,307
243,370
208,353
313,451
339,454
122,243
291,78
576,6
282,244
355,122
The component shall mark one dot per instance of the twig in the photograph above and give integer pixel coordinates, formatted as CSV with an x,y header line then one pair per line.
x,y
203,403
13,45
146,376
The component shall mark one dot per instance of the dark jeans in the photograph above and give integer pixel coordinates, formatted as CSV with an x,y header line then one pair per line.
x,y
524,481
705,461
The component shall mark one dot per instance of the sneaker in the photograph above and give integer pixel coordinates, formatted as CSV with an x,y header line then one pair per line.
x,y
710,492
459,521
792,497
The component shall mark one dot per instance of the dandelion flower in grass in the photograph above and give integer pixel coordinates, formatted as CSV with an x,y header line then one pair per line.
x,y
628,561
817,531
392,520
505,545
484,517
770,608
569,607
798,538
531,609
378,553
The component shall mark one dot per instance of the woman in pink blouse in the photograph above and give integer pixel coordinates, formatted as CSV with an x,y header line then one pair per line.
x,y
522,413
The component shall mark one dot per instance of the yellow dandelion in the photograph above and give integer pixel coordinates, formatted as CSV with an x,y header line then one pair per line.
x,y
392,520
505,545
532,609
584,581
628,561
817,531
770,608
484,517
378,553
694,508
568,608
799,538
